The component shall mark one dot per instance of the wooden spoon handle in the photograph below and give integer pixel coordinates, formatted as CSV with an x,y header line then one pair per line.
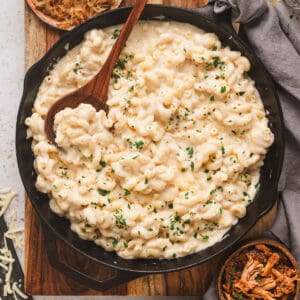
x,y
102,80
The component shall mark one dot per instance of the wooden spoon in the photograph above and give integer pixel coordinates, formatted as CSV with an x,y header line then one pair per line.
x,y
95,92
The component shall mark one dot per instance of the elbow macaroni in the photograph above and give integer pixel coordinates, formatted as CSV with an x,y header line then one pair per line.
x,y
175,162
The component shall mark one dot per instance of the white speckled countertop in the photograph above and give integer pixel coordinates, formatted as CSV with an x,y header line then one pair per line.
x,y
11,83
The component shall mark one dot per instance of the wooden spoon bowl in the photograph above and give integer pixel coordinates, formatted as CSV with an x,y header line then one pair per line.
x,y
95,92
53,22
279,247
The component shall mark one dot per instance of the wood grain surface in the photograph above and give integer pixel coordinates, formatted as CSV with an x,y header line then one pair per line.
x,y
40,277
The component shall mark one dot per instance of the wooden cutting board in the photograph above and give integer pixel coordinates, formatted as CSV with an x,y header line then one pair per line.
x,y
40,277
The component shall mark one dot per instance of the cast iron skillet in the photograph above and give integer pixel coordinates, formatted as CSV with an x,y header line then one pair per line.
x,y
57,227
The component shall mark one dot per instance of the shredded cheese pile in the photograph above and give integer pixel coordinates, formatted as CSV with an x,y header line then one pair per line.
x,y
69,13
6,257
6,196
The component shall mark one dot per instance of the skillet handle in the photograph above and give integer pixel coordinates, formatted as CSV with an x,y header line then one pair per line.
x,y
222,19
77,275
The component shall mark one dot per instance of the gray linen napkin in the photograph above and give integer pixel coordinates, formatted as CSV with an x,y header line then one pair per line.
x,y
278,47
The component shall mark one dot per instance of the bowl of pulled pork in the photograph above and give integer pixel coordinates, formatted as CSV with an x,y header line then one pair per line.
x,y
260,269
66,14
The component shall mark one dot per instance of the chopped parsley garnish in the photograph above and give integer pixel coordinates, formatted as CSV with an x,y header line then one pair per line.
x,y
131,88
103,192
241,93
138,144
211,98
177,218
190,151
126,192
170,205
223,150
220,188
192,166
64,173
129,142
223,89
77,68
186,222
215,63
214,48
120,69
102,163
204,237
116,76
115,34
114,242
146,181
120,64
119,219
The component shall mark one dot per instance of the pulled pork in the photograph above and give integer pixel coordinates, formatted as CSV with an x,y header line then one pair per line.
x,y
260,273
69,13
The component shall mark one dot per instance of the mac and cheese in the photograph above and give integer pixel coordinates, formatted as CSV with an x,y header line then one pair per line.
x,y
175,162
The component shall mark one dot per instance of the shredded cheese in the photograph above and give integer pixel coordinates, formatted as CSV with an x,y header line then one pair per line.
x,y
16,235
6,196
6,257
4,267
17,291
69,13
